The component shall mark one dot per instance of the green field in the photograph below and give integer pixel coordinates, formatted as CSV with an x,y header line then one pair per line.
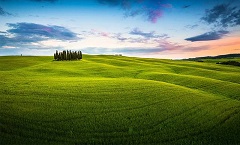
x,y
118,100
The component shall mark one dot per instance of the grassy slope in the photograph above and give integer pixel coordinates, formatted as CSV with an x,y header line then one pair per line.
x,y
109,99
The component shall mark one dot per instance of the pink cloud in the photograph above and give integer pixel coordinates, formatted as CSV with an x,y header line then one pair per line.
x,y
105,34
154,15
169,46
47,29
99,33
152,10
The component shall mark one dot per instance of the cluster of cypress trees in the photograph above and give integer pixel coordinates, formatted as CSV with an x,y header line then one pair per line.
x,y
68,55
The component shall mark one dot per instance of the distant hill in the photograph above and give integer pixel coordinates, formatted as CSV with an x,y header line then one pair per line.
x,y
217,57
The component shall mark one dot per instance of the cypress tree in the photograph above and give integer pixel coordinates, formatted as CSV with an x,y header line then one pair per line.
x,y
64,55
75,53
67,55
61,56
56,55
70,55
80,54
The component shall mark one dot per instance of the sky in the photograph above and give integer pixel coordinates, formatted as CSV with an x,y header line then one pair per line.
x,y
171,29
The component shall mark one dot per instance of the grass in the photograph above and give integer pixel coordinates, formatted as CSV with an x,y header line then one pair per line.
x,y
118,100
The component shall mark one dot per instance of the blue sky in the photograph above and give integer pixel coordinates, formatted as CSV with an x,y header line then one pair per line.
x,y
143,28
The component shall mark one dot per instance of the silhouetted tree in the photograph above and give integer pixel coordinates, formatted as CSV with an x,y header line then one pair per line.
x,y
80,53
68,58
64,55
75,55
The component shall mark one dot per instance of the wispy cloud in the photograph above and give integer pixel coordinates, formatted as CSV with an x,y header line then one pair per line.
x,y
223,15
186,6
179,48
147,35
123,50
215,35
162,48
3,32
119,37
31,34
134,36
31,30
138,50
4,13
191,26
196,48
154,15
137,31
152,10
99,33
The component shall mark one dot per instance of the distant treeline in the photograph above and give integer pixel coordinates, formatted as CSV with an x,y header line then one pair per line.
x,y
235,63
67,55
235,55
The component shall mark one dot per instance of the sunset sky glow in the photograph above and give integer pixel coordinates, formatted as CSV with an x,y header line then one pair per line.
x,y
171,29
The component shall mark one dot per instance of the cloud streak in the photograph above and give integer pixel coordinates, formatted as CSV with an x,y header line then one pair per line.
x,y
31,30
29,35
191,26
215,35
147,35
123,50
3,32
186,6
223,15
152,10
137,31
163,48
4,13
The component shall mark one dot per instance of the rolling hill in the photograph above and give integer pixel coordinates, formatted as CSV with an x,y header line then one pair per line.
x,y
118,100
233,55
